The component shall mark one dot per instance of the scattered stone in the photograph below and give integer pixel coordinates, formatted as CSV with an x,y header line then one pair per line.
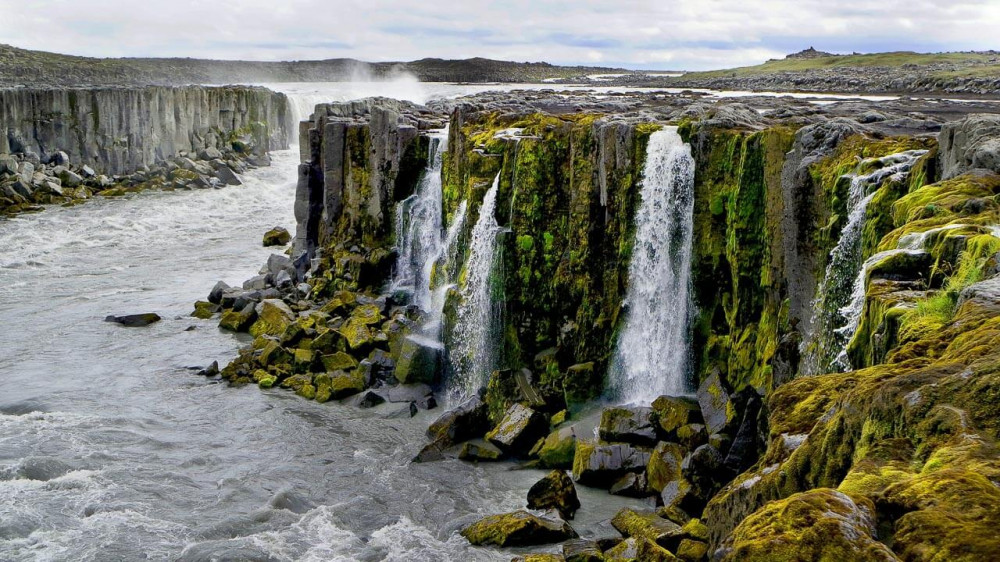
x,y
664,465
601,465
519,528
635,549
558,449
461,423
646,524
371,399
582,550
674,412
635,425
419,360
521,428
555,491
478,450
632,485
135,320
205,310
277,236
716,406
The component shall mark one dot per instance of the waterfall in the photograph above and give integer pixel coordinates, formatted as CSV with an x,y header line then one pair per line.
x,y
473,351
840,301
420,235
652,356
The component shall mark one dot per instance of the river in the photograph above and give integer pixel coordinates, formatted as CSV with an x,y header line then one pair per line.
x,y
112,448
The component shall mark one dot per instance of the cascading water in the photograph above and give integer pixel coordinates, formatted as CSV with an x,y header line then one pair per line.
x,y
421,236
473,355
839,304
652,353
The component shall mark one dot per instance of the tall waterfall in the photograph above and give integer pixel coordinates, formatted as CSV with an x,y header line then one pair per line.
x,y
420,235
652,356
473,350
841,295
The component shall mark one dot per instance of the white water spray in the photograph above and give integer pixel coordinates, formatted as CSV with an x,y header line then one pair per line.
x,y
652,356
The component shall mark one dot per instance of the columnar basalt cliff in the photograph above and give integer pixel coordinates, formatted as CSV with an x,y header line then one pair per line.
x,y
120,130
823,241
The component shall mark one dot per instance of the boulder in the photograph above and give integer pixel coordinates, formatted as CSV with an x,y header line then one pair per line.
x,y
820,524
277,236
581,550
371,399
646,524
558,449
59,158
228,177
555,491
357,334
636,549
480,450
677,496
277,263
205,310
692,436
461,423
258,283
716,405
135,320
703,468
601,465
344,384
632,485
239,320
338,361
519,430
273,318
692,551
635,425
273,354
582,383
674,412
419,360
210,153
664,465
519,528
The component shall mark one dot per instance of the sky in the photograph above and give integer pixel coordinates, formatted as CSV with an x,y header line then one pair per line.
x,y
642,34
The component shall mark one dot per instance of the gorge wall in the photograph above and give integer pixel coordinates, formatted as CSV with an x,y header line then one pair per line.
x,y
121,130
895,457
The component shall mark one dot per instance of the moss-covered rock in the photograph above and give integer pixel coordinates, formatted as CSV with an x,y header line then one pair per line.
x,y
647,525
419,361
602,464
273,318
355,331
205,310
519,430
821,524
554,491
558,449
277,236
519,528
664,465
344,384
339,361
638,550
238,320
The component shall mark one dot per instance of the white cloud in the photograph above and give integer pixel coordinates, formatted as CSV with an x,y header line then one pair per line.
x,y
645,33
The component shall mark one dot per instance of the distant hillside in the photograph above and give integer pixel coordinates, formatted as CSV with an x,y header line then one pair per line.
x,y
895,72
38,68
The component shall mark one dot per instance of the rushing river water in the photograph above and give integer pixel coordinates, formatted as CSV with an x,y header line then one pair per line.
x,y
112,448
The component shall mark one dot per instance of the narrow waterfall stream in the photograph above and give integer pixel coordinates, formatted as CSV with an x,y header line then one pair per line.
x,y
421,239
838,309
652,354
473,352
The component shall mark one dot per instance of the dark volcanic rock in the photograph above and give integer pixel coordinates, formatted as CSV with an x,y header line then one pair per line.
x,y
135,320
555,491
636,425
519,430
601,465
715,404
461,423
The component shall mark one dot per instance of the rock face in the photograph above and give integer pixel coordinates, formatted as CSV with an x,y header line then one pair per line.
x,y
359,159
970,144
157,123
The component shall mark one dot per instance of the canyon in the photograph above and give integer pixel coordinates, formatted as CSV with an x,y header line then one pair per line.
x,y
764,324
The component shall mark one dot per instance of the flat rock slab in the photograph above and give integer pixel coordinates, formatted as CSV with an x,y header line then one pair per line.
x,y
135,320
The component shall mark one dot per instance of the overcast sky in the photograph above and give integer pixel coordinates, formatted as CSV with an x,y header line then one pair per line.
x,y
665,34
